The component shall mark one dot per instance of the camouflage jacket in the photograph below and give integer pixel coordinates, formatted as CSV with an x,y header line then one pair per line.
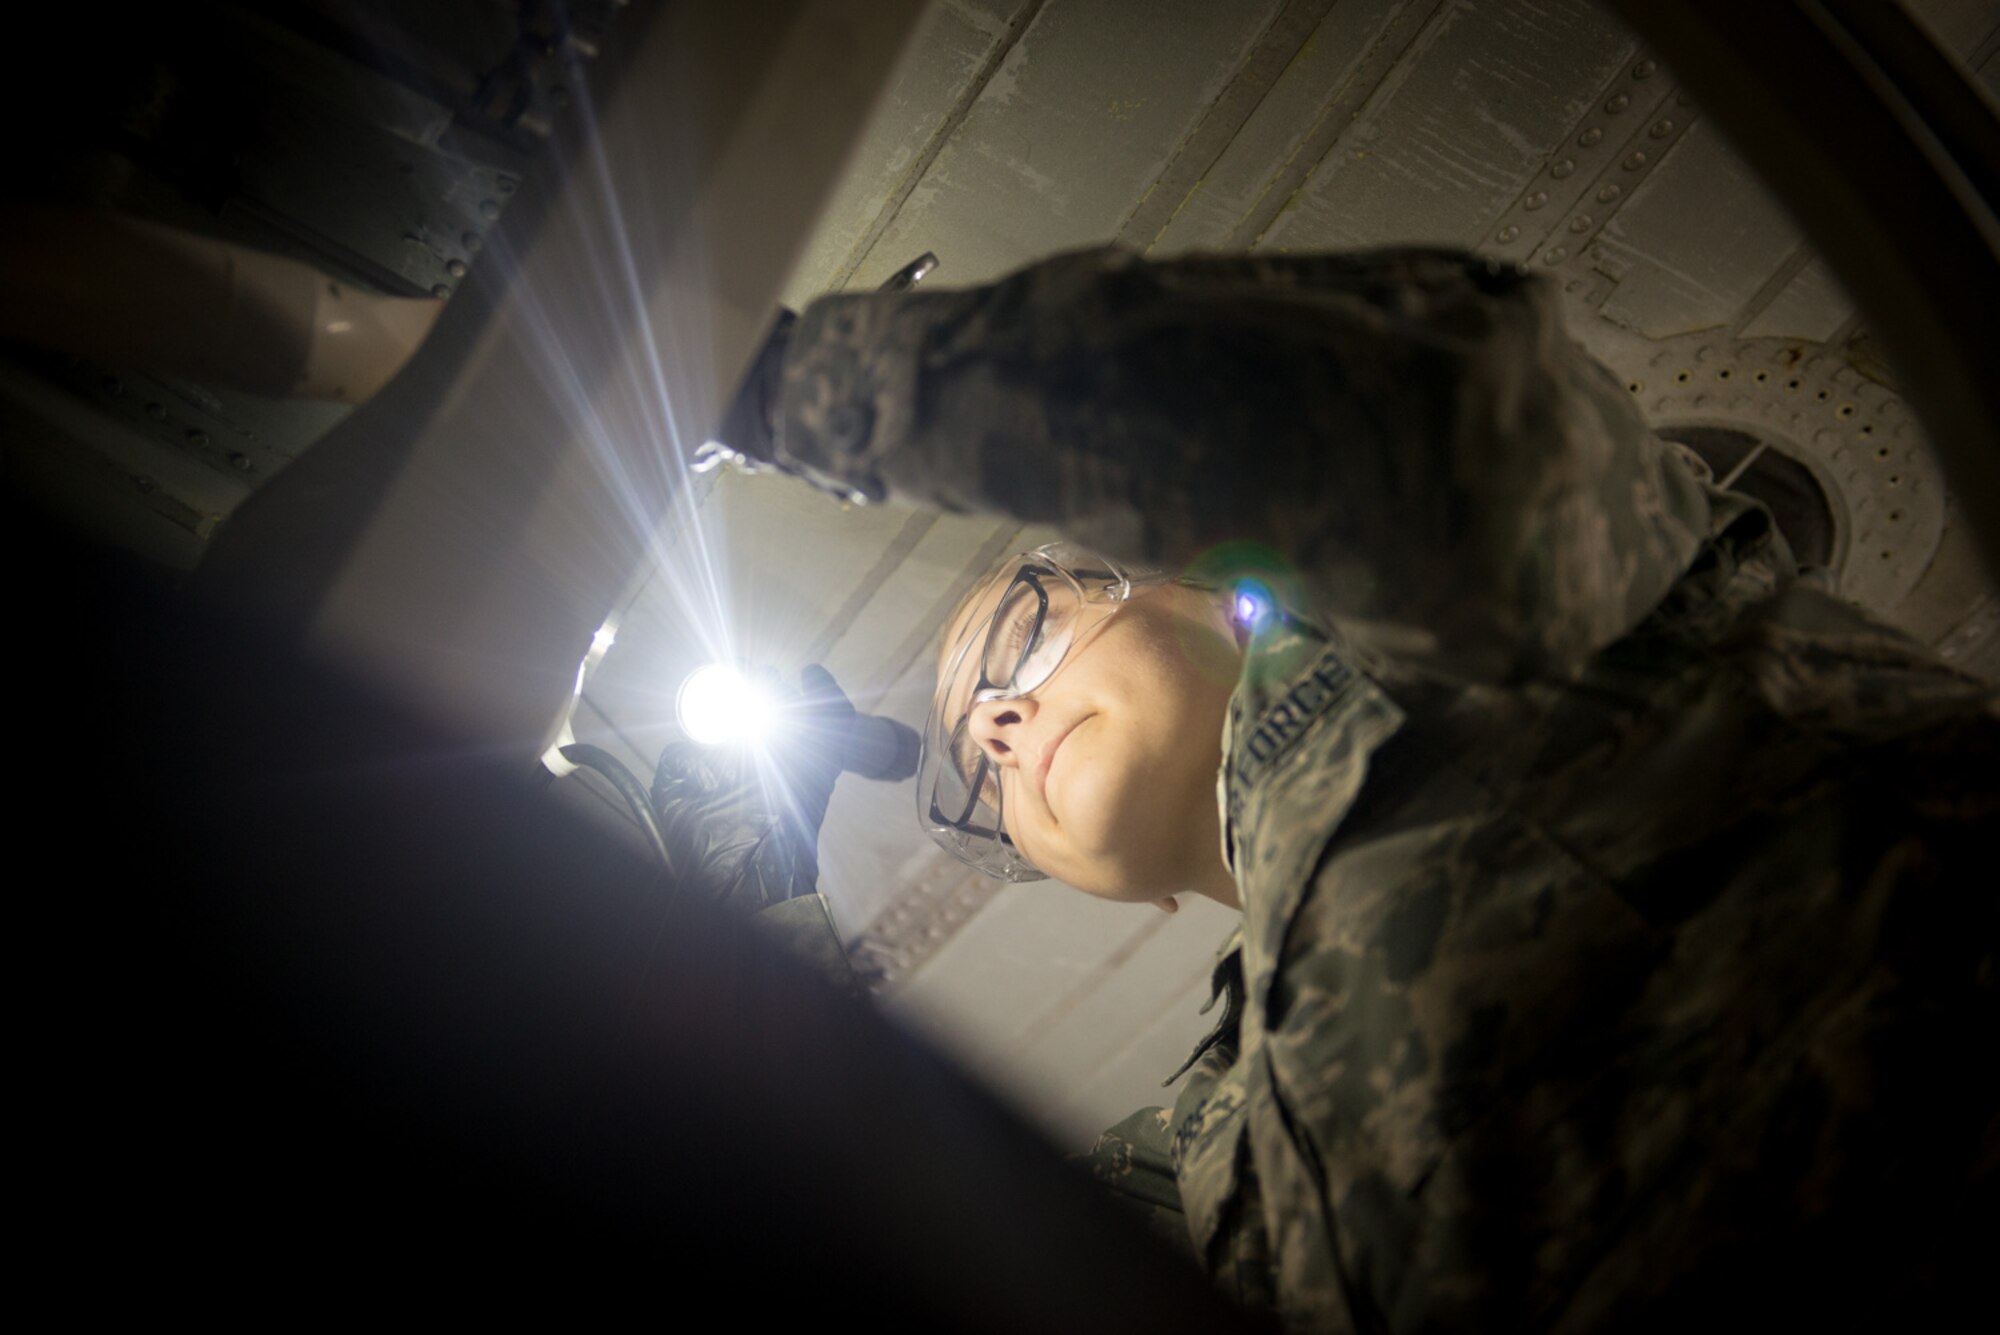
x,y
1612,928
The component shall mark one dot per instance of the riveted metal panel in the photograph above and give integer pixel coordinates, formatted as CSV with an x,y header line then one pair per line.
x,y
1695,243
1458,129
1856,437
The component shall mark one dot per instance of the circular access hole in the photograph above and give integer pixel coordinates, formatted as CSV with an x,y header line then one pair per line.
x,y
1682,378
1724,373
1635,386
1882,453
1763,377
1895,479
1845,410
1788,487
1868,430
1895,516
1791,384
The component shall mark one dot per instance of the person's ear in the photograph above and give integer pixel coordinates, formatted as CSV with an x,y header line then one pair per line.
x,y
1167,905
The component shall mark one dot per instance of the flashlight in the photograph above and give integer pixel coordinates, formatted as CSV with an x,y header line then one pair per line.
x,y
718,705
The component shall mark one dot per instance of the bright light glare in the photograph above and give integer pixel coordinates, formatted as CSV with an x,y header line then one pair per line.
x,y
606,637
1252,603
719,705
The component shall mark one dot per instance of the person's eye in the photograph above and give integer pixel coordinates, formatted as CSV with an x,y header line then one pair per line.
x,y
965,756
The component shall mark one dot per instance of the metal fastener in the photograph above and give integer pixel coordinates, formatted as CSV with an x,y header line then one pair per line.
x,y
196,436
1591,138
156,411
1562,169
1555,256
1618,103
240,462
1508,233
456,268
1635,160
441,290
1644,69
1608,193
1661,129
489,209
1580,224
1535,200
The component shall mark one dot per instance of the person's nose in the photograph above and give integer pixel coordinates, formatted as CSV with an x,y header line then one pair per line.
x,y
997,725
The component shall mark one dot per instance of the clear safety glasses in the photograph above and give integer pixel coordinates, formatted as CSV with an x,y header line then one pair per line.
x,y
1050,595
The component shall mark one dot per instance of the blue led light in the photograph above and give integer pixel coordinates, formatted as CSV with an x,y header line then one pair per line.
x,y
1252,605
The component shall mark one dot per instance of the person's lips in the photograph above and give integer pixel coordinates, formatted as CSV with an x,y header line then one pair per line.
x,y
1048,755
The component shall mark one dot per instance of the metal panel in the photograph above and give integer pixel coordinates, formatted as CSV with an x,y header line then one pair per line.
x,y
1696,242
1026,951
1094,1097
1079,119
953,54
1250,171
1812,306
1121,1038
1457,130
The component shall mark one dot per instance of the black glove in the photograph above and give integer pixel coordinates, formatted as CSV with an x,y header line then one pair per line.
x,y
742,823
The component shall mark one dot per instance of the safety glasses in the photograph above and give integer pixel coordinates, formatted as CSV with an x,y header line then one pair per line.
x,y
1051,595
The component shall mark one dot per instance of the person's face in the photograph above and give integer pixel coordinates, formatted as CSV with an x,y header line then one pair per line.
x,y
1107,769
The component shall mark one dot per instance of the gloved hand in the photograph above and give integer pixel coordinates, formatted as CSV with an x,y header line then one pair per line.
x,y
742,823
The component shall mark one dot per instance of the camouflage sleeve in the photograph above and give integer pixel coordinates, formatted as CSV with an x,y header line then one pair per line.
x,y
1134,1161
1411,432
804,927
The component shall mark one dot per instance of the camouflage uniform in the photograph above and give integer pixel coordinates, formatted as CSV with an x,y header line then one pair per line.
x,y
1613,933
